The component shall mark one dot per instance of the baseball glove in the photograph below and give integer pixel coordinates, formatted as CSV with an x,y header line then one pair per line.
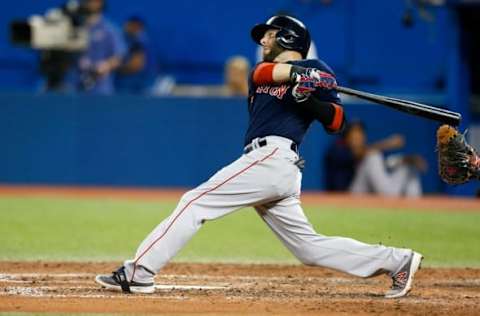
x,y
458,162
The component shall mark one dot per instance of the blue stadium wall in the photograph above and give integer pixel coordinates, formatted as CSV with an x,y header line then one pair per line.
x,y
140,141
144,141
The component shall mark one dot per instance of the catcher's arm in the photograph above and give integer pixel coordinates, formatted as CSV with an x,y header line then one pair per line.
x,y
458,162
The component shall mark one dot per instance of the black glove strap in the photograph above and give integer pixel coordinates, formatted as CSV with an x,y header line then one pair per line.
x,y
296,70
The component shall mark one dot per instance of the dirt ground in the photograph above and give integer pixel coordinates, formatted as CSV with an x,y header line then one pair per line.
x,y
221,289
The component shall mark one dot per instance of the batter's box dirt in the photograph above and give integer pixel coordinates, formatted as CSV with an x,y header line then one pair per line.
x,y
234,290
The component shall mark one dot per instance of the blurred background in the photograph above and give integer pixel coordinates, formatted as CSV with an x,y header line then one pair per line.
x,y
151,93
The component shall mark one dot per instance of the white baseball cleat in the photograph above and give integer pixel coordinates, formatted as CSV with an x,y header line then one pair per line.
x,y
118,281
403,279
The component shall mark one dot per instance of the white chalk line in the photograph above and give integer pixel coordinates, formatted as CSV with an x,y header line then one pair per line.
x,y
17,276
40,293
44,275
157,287
36,278
31,288
223,281
87,277
189,287
49,281
87,282
43,293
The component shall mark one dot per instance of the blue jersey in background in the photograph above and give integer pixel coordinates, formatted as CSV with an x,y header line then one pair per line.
x,y
104,43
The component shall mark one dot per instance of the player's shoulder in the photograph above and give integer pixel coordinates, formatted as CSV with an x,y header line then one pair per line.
x,y
314,63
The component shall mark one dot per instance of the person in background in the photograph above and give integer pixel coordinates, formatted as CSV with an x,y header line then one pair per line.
x,y
353,165
237,69
94,69
138,70
236,72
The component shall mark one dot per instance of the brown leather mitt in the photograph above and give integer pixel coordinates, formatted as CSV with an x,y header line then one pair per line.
x,y
458,162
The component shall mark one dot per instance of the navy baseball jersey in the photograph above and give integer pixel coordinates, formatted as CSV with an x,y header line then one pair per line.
x,y
274,112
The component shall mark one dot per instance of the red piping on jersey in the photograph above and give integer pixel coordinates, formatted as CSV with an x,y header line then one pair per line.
x,y
193,200
337,118
263,74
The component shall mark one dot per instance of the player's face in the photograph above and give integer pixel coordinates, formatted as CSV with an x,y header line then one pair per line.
x,y
94,6
236,73
356,137
270,47
132,28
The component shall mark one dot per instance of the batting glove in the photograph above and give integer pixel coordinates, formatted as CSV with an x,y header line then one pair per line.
x,y
309,81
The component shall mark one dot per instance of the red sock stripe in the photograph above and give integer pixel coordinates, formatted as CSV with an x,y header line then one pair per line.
x,y
193,200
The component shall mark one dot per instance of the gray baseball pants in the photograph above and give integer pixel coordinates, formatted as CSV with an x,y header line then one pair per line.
x,y
267,179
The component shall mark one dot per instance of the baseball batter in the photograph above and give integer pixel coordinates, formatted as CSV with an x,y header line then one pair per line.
x,y
287,93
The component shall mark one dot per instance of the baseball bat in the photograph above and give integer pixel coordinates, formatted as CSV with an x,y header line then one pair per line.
x,y
410,107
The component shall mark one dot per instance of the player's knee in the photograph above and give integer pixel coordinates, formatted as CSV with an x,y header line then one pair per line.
x,y
187,198
374,159
189,207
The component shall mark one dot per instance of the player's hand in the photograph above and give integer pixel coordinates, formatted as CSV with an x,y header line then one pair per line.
x,y
309,81
313,78
305,84
103,69
394,141
302,91
85,63
322,79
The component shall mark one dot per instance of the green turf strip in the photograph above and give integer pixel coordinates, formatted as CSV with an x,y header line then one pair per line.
x,y
98,314
98,230
60,314
86,314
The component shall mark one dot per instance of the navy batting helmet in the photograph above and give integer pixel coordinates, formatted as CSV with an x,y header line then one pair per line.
x,y
292,34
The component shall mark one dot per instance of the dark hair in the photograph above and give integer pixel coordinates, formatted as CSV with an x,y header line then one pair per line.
x,y
104,4
136,19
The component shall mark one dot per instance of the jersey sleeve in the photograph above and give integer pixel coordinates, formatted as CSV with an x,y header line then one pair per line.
x,y
324,104
118,45
328,96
